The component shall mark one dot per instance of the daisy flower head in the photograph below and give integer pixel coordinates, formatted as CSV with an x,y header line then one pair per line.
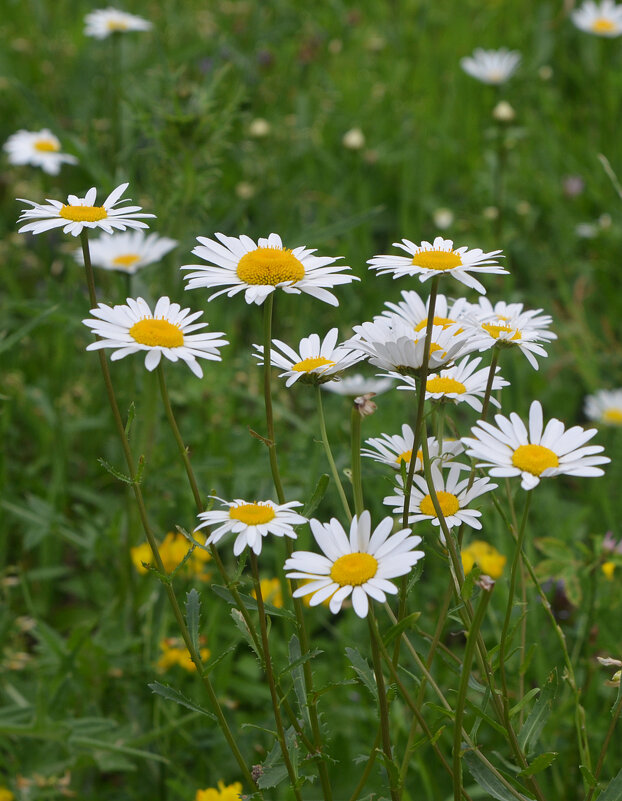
x,y
251,521
38,148
601,19
105,21
397,449
414,311
359,565
454,496
79,213
462,383
127,252
240,265
439,258
510,449
605,406
358,384
167,331
491,66
316,361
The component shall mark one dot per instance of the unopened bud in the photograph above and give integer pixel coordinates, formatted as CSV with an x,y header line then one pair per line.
x,y
486,583
503,112
354,139
365,404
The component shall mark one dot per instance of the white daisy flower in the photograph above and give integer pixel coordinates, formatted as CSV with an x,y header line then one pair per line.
x,y
460,384
454,496
439,258
602,19
39,148
414,311
357,384
605,406
105,21
391,344
510,450
397,449
127,252
79,213
360,565
167,332
240,265
251,521
316,361
491,66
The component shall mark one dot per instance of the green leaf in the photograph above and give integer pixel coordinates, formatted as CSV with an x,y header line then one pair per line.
x,y
488,781
613,791
193,612
525,700
397,629
531,728
318,494
295,655
101,745
171,694
8,342
363,671
131,414
238,619
250,602
469,582
588,775
553,548
541,762
114,472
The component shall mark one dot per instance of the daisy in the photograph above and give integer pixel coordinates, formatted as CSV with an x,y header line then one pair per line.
x,y
491,66
39,148
460,384
396,449
605,406
359,565
316,361
105,21
358,384
414,311
453,496
79,213
439,258
391,344
240,265
510,450
166,332
251,521
602,19
127,252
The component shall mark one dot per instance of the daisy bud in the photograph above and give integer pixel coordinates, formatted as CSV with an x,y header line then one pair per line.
x,y
365,405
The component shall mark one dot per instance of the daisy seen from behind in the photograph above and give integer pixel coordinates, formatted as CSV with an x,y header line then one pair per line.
x,y
491,66
397,449
360,565
601,19
316,361
127,252
453,494
605,406
439,258
240,265
38,148
251,521
105,21
510,449
79,213
358,384
168,331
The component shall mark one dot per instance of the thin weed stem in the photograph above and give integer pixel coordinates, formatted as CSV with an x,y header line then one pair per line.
x,y
329,454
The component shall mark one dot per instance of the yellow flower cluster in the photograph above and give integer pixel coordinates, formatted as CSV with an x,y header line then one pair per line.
x,y
608,568
231,792
7,795
489,560
174,652
172,551
271,592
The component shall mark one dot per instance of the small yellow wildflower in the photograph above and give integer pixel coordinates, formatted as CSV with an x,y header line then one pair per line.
x,y
231,792
608,568
271,592
487,558
174,652
7,795
172,551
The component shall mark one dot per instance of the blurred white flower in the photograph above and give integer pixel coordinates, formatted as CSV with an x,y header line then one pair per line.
x,y
605,406
443,218
38,148
105,21
601,19
491,66
127,252
354,139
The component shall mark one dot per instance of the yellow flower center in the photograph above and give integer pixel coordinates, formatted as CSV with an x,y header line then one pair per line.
x,y
613,417
116,25
444,321
253,514
534,458
406,456
157,333
306,365
437,259
449,504
83,213
126,260
46,146
270,267
445,385
354,569
602,25
496,329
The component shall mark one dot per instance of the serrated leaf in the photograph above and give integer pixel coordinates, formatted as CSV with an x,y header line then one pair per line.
x,y
540,763
298,678
613,791
250,602
240,623
363,671
193,612
479,712
114,472
531,728
469,582
525,700
318,494
398,628
131,414
487,780
171,694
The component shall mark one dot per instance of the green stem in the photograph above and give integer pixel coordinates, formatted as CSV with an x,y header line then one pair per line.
x,y
603,750
491,377
368,766
355,439
267,391
329,455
